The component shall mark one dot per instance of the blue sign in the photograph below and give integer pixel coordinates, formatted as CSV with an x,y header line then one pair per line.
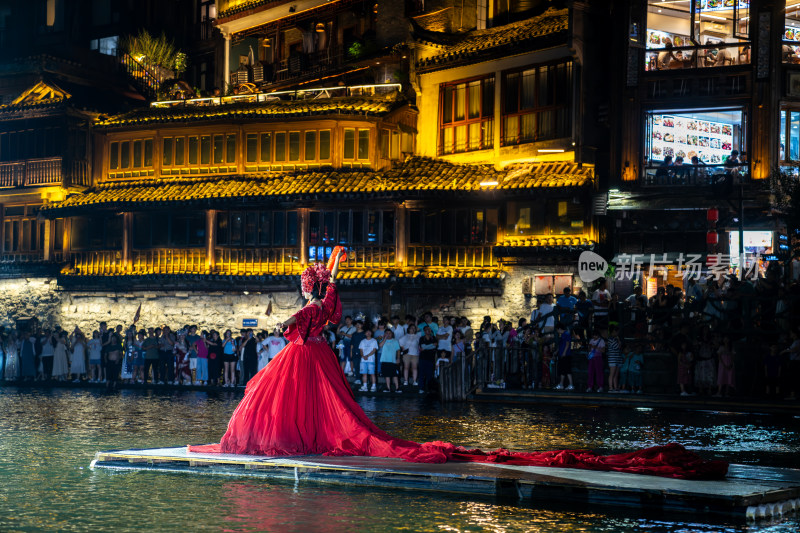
x,y
249,322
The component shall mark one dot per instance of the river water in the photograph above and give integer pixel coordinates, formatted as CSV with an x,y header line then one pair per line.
x,y
48,437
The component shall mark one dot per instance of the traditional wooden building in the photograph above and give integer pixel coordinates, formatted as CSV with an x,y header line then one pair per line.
x,y
45,154
466,180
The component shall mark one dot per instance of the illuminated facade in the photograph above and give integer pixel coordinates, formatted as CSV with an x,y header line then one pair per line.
x,y
701,83
461,166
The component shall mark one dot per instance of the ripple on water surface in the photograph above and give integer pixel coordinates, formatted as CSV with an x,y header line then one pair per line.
x,y
48,438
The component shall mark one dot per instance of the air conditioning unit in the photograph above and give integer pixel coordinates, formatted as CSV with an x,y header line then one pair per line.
x,y
714,29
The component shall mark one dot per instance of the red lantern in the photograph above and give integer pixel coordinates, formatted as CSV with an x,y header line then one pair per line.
x,y
712,237
712,215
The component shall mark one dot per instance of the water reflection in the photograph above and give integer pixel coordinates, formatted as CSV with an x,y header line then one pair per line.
x,y
48,438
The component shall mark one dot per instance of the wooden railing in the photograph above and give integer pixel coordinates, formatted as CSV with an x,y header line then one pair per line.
x,y
188,261
31,172
477,256
102,262
274,261
79,174
169,261
357,256
28,257
244,261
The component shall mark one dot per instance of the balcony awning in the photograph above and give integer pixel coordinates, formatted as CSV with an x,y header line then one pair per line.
x,y
415,177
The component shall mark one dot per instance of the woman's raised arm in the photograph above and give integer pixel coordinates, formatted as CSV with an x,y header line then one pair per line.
x,y
335,269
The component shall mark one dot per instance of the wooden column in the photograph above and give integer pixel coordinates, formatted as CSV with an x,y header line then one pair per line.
x,y
226,64
211,238
66,240
303,215
401,236
127,241
49,239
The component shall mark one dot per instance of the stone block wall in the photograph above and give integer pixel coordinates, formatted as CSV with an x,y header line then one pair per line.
x,y
42,298
218,310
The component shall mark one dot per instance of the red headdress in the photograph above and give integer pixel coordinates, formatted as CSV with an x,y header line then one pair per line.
x,y
314,276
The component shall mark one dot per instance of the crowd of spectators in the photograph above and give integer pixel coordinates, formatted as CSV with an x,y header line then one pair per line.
x,y
708,330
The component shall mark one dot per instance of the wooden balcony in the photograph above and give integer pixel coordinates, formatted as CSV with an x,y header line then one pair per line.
x,y
44,171
278,261
236,262
444,256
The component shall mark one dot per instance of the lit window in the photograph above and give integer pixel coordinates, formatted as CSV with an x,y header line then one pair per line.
x,y
467,116
716,34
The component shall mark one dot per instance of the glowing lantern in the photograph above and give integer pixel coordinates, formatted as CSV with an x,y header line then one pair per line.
x,y
712,237
712,215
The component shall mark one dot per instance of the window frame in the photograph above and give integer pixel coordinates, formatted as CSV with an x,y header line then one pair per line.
x,y
225,141
131,149
466,122
537,111
356,158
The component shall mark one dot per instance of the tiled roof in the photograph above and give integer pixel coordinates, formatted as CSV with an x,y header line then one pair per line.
x,y
275,109
414,175
480,42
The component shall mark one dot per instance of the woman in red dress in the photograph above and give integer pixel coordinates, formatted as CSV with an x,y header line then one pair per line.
x,y
302,404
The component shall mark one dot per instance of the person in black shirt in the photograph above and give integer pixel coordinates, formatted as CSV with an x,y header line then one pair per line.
x,y
428,344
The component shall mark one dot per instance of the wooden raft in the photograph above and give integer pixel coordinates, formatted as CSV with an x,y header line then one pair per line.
x,y
748,492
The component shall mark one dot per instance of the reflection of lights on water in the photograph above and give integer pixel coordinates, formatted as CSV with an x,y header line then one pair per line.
x,y
644,409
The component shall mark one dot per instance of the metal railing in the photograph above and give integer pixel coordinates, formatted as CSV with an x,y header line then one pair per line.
x,y
477,256
31,172
297,94
301,65
148,77
488,367
694,175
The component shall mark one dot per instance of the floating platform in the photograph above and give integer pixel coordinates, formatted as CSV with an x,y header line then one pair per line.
x,y
749,492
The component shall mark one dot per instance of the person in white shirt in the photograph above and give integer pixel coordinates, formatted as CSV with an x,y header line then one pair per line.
x,y
543,317
262,350
445,336
275,344
368,348
601,299
409,344
397,328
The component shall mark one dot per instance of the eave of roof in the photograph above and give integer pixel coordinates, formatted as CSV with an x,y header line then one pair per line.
x,y
255,110
416,176
479,44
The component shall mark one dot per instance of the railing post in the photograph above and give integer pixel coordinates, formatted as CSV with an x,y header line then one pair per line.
x,y
211,229
303,215
127,241
401,237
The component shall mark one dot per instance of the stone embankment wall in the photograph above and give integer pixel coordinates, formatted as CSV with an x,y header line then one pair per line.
x,y
42,298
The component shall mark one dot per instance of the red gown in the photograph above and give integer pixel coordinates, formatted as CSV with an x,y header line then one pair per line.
x,y
302,404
